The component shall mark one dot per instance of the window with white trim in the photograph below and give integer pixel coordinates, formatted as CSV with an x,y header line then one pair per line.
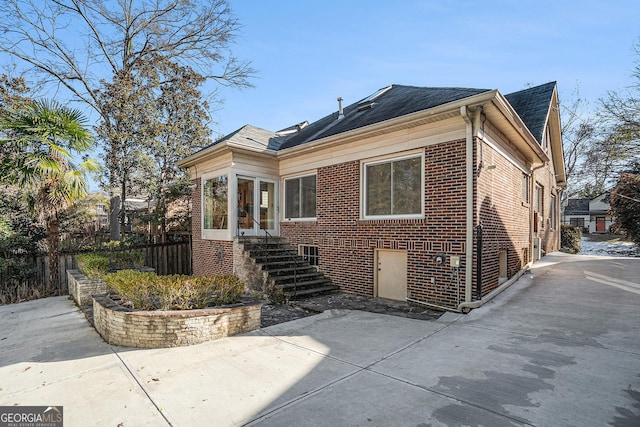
x,y
525,188
546,140
394,188
538,206
215,205
552,213
310,254
538,201
300,197
577,222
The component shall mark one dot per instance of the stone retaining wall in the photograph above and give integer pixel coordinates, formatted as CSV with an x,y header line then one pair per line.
x,y
81,287
160,329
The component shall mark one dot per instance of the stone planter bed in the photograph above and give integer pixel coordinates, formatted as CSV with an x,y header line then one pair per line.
x,y
119,325
81,287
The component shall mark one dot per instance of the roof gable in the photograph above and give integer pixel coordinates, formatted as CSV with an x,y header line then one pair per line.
x,y
532,105
250,137
577,207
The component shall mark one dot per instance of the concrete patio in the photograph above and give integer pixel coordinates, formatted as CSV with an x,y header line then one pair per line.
x,y
560,347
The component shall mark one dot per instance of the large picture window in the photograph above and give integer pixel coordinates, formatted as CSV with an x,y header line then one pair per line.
x,y
215,204
300,197
393,188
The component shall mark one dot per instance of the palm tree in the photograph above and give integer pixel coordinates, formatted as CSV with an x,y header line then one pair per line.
x,y
44,135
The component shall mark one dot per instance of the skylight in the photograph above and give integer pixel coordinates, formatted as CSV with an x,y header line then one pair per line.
x,y
370,100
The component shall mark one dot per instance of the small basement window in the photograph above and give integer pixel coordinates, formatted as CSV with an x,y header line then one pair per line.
x,y
310,254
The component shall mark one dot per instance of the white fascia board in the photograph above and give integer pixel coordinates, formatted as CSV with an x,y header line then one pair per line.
x,y
221,147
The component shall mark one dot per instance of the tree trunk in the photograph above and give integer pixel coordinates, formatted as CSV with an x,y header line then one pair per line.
x,y
53,240
123,208
114,218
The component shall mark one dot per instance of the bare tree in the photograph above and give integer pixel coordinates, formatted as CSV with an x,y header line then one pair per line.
x,y
75,44
578,132
620,112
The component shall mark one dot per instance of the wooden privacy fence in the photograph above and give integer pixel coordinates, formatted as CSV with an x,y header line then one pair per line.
x,y
165,258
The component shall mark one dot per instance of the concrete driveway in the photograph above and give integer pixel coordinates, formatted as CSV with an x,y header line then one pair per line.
x,y
561,347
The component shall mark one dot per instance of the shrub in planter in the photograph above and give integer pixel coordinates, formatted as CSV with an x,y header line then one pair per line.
x,y
125,260
148,291
570,238
93,265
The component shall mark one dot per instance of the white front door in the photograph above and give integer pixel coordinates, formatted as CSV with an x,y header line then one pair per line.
x,y
257,206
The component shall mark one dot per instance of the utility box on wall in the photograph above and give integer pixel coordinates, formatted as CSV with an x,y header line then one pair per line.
x,y
537,248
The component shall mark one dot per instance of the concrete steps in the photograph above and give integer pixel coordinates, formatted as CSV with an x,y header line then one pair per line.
x,y
287,270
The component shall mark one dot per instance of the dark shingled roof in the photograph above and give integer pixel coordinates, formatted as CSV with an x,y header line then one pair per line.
x,y
577,207
397,101
532,105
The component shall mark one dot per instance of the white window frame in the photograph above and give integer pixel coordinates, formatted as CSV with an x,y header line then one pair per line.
x,y
390,159
525,189
553,205
309,257
284,197
217,234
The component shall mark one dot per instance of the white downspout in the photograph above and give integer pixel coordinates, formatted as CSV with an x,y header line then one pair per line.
x,y
468,276
532,193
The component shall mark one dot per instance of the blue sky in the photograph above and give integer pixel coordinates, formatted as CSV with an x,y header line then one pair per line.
x,y
308,53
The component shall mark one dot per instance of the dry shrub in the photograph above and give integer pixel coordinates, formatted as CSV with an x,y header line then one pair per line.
x,y
148,291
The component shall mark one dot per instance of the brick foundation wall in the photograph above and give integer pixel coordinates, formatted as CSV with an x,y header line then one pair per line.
x,y
161,329
211,257
347,244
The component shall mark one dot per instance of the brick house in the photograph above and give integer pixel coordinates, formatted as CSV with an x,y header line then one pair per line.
x,y
432,195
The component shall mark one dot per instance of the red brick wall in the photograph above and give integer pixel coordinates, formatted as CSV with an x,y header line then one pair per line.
x,y
504,218
550,235
209,256
347,244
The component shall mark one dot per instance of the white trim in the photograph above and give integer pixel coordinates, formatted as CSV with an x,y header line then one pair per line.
x,y
391,159
515,162
215,233
255,230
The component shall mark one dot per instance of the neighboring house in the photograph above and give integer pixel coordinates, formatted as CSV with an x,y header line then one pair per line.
x,y
592,215
431,195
